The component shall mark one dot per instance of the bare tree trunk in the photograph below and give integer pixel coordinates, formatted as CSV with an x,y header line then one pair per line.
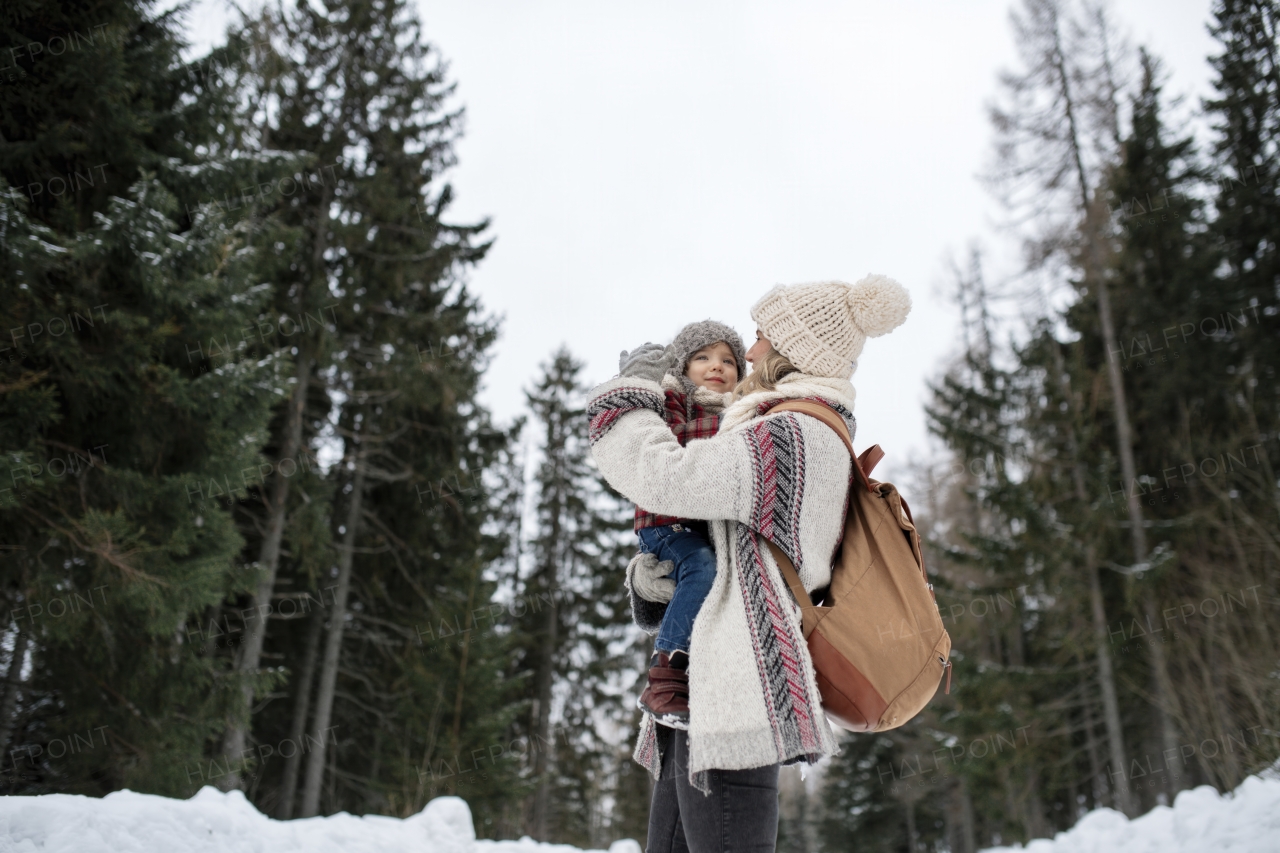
x,y
301,708
255,630
12,686
541,818
333,779
250,654
333,649
1091,744
1165,695
1122,795
951,816
460,693
808,826
1220,690
1107,682
546,677
1037,823
967,821
913,842
211,639
429,751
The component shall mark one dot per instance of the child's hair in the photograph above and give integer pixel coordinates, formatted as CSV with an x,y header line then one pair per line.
x,y
766,373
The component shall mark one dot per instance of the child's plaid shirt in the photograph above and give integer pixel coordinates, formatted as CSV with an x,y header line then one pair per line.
x,y
688,419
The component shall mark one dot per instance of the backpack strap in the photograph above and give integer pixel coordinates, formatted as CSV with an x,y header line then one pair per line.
x,y
808,610
866,461
826,414
868,458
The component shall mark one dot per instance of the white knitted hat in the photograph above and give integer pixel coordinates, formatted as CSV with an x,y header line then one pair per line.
x,y
821,327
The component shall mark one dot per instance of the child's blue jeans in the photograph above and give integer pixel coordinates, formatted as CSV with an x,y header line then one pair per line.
x,y
695,570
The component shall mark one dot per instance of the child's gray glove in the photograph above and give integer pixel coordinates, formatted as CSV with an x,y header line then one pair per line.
x,y
651,361
648,579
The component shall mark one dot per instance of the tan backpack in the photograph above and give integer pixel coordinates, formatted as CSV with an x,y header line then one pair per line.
x,y
877,641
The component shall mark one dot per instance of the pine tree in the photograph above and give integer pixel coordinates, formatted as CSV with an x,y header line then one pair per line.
x,y
1230,417
1062,129
1157,263
575,644
105,429
1246,117
302,321
394,371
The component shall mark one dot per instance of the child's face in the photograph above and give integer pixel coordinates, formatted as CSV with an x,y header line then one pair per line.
x,y
713,367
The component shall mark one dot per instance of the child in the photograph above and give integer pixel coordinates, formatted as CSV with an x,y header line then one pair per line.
x,y
708,360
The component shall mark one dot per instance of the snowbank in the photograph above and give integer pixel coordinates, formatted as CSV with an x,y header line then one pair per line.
x,y
214,822
1246,821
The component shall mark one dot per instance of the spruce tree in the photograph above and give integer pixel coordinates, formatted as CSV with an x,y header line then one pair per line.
x,y
1231,420
579,635
1246,200
104,428
393,376
1158,265
1061,129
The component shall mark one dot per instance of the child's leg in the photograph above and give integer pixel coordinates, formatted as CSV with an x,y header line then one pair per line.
x,y
694,573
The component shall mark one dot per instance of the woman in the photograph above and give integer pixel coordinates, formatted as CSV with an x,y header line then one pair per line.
x,y
753,699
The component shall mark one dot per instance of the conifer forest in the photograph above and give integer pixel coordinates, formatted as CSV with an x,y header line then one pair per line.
x,y
258,530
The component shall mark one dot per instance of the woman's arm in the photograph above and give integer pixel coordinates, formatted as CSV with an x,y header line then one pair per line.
x,y
771,475
641,458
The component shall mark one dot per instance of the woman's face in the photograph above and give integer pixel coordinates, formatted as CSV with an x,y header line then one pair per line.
x,y
759,348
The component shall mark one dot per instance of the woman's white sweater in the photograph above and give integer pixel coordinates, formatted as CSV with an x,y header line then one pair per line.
x,y
753,698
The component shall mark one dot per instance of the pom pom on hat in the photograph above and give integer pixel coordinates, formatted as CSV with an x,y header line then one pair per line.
x,y
879,304
822,327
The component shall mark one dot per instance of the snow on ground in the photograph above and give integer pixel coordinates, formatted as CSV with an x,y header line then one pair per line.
x,y
1200,821
217,822
1247,821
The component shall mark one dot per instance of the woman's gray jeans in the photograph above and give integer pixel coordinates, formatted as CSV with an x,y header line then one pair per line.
x,y
740,815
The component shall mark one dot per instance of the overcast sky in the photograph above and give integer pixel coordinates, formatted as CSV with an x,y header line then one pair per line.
x,y
649,164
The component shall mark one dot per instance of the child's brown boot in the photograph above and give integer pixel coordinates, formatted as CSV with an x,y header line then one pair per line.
x,y
666,696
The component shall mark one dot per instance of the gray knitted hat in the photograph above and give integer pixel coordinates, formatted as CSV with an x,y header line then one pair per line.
x,y
704,333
